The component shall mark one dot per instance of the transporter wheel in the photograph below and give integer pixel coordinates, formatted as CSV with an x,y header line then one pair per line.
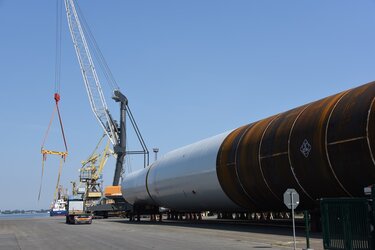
x,y
71,220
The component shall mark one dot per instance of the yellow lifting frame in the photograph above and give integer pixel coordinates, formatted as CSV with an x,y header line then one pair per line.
x,y
62,160
45,152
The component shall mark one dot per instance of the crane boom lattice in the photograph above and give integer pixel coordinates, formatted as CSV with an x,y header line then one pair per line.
x,y
115,132
90,77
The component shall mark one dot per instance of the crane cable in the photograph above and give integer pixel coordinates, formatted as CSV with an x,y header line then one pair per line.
x,y
59,8
98,55
45,152
57,98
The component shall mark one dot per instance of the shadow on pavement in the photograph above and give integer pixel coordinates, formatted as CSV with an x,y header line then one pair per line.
x,y
238,226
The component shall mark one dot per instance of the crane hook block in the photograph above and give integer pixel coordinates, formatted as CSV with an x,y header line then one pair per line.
x,y
57,97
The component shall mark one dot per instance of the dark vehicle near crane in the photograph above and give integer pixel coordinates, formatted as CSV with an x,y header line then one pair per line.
x,y
76,213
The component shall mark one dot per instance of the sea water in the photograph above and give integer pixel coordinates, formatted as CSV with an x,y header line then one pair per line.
x,y
23,216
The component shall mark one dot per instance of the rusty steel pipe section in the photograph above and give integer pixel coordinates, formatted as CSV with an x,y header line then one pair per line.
x,y
322,149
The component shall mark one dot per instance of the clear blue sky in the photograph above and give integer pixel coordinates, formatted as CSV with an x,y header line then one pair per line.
x,y
190,69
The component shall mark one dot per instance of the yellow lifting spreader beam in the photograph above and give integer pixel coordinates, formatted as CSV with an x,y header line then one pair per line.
x,y
45,152
51,152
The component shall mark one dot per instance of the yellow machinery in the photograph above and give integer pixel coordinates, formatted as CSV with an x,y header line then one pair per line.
x,y
90,173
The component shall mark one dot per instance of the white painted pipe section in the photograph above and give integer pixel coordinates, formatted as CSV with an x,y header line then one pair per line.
x,y
134,190
184,179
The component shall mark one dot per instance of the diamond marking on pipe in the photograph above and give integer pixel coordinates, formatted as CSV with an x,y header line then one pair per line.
x,y
305,148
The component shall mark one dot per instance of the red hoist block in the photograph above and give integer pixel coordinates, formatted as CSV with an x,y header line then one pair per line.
x,y
57,97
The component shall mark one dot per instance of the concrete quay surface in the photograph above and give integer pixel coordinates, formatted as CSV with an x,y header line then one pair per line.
x,y
53,233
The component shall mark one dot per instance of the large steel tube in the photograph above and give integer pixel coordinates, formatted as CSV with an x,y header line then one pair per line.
x,y
184,180
322,149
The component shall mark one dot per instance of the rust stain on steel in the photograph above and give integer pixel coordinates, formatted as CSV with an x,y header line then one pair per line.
x,y
370,132
326,143
226,170
290,162
277,170
313,172
248,168
352,161
322,149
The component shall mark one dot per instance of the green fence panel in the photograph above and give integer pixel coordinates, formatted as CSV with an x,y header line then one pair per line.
x,y
346,224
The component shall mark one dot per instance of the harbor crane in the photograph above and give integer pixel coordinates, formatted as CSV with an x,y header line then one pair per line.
x,y
115,132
